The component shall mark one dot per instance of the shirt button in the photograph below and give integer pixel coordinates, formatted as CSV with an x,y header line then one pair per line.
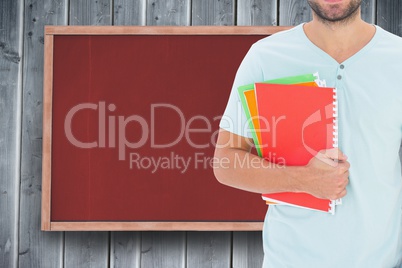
x,y
339,77
342,66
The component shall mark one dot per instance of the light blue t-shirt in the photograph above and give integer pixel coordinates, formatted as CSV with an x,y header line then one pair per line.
x,y
366,230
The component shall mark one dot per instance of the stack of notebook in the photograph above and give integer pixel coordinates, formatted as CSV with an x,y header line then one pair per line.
x,y
291,120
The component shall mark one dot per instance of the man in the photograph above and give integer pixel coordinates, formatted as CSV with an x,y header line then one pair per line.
x,y
364,63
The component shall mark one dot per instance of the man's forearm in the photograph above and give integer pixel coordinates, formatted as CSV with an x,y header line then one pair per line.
x,y
325,176
240,169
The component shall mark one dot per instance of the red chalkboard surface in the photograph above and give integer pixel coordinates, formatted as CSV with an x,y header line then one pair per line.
x,y
131,121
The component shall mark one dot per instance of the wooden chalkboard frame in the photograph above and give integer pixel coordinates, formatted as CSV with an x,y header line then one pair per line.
x,y
50,32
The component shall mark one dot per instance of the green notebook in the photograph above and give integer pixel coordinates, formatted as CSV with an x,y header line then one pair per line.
x,y
249,89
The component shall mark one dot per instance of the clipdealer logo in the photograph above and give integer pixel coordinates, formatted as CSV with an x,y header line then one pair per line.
x,y
112,130
115,126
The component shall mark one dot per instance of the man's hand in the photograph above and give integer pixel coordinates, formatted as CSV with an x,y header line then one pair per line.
x,y
327,175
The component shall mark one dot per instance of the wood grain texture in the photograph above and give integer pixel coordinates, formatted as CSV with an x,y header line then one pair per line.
x,y
389,16
152,226
10,122
47,133
168,12
247,249
257,12
90,12
209,249
163,249
129,12
212,12
86,249
293,12
125,250
164,30
40,249
368,10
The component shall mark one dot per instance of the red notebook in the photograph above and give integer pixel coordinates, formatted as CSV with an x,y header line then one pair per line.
x,y
296,122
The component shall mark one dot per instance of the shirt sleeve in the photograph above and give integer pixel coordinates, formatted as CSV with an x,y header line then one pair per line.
x,y
234,119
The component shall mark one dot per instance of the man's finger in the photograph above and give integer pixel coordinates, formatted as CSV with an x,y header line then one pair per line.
x,y
334,154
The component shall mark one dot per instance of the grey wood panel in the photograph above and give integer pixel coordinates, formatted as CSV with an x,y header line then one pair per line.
x,y
163,249
168,12
209,249
368,10
129,12
37,249
212,12
86,249
247,250
10,122
257,12
125,249
90,12
293,12
389,16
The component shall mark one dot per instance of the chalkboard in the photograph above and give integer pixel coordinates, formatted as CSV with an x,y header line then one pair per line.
x,y
131,116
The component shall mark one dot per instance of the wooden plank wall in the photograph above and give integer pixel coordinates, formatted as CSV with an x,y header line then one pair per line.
x,y
10,135
22,244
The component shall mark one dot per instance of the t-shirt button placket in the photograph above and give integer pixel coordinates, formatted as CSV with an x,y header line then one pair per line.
x,y
340,71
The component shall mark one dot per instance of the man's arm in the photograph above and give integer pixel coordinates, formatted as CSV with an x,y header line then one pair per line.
x,y
325,176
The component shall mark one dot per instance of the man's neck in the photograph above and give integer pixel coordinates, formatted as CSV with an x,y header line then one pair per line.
x,y
340,40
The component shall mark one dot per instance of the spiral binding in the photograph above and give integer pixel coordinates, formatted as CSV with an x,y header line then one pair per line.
x,y
332,207
335,133
335,120
319,82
